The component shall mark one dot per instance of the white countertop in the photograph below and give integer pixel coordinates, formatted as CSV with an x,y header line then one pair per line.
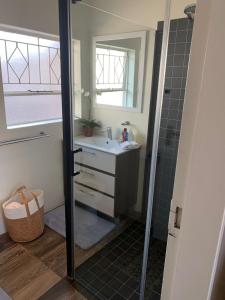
x,y
100,143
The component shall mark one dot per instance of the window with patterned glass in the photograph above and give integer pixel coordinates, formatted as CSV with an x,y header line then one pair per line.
x,y
113,75
30,68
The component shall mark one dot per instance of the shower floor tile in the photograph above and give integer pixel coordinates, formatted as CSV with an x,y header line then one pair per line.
x,y
115,271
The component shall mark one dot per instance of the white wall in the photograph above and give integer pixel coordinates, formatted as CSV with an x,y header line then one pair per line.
x,y
199,184
37,164
80,29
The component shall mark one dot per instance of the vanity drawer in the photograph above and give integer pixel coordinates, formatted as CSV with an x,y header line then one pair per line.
x,y
96,159
96,180
94,200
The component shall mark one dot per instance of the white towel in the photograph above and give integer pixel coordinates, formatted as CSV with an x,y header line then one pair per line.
x,y
129,145
13,205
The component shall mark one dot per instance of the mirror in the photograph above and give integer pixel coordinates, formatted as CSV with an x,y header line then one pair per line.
x,y
118,70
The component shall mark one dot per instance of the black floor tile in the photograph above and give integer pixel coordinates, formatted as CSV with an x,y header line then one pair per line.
x,y
152,296
126,291
122,276
114,272
92,289
106,292
111,257
88,276
96,269
104,262
118,251
115,284
97,284
105,277
117,297
133,283
134,296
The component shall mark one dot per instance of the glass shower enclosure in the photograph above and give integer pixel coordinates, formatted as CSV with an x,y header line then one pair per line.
x,y
108,242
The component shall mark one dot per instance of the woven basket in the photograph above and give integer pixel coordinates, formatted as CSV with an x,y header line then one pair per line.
x,y
26,223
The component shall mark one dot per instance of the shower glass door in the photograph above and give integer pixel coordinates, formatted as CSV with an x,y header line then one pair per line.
x,y
107,55
164,204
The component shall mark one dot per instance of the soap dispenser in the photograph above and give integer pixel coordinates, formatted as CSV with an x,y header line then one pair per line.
x,y
130,135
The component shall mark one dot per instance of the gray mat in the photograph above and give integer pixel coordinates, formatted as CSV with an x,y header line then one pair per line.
x,y
89,228
3,295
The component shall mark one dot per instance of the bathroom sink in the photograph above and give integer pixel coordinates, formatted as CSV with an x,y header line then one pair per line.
x,y
100,143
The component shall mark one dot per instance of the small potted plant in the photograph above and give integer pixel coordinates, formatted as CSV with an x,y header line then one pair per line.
x,y
88,126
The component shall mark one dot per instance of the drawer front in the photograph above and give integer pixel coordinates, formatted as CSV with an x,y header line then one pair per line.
x,y
95,200
96,180
96,159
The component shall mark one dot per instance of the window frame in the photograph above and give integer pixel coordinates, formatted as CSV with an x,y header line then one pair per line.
x,y
39,34
141,69
124,88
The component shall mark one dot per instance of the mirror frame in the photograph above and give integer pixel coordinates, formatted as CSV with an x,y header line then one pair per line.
x,y
141,68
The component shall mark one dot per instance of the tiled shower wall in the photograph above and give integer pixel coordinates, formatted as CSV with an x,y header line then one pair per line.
x,y
176,75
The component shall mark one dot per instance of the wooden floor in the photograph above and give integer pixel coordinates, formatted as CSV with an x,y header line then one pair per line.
x,y
36,270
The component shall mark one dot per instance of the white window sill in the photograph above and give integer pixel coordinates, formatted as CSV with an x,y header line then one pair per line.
x,y
34,124
37,123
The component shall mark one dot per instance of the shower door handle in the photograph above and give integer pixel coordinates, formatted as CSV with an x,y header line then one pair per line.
x,y
76,173
74,152
77,150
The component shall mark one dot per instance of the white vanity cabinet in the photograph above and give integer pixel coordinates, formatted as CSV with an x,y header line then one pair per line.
x,y
96,159
107,182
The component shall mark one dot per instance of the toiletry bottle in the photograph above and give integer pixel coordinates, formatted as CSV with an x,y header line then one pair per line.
x,y
119,133
124,135
127,136
130,135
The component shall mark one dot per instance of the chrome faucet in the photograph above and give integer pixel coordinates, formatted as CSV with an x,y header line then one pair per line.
x,y
109,132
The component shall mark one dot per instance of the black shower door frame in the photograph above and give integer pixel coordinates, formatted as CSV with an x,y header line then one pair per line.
x,y
65,31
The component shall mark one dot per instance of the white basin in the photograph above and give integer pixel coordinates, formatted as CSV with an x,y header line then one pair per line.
x,y
100,143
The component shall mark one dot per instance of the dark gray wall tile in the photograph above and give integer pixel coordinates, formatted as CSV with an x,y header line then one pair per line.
x,y
178,60
171,48
175,83
173,25
182,24
172,36
180,48
178,71
181,36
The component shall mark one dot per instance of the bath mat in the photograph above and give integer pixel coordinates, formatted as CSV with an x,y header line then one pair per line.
x,y
89,227
3,295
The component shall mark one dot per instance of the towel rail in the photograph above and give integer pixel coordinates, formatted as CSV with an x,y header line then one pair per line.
x,y
21,140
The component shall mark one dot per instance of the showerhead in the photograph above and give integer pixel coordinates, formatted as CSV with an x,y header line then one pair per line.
x,y
190,11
